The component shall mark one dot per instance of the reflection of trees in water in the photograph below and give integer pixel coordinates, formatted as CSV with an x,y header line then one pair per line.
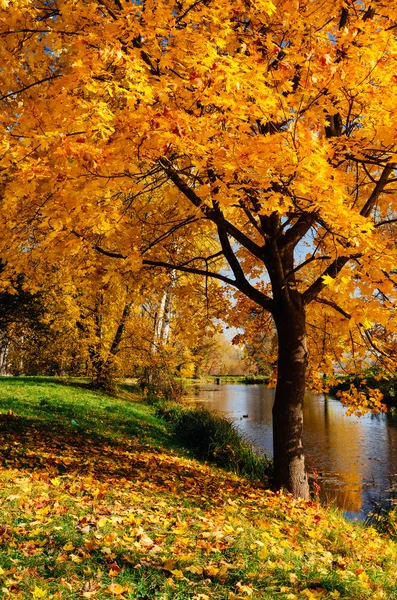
x,y
352,456
335,454
347,499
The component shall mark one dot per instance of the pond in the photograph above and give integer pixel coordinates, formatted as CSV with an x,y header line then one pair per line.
x,y
354,459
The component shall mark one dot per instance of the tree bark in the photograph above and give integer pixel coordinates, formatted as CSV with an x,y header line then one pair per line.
x,y
289,460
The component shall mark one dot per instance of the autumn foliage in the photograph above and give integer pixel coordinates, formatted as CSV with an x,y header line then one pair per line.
x,y
252,142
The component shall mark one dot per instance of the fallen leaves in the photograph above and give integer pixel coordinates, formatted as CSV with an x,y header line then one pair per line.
x,y
117,590
173,527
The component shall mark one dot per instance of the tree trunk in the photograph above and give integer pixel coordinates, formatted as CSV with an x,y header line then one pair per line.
x,y
103,376
289,460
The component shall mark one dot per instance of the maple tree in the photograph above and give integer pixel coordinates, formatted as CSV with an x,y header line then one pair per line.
x,y
267,129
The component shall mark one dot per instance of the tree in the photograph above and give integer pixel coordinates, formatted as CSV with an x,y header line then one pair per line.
x,y
267,129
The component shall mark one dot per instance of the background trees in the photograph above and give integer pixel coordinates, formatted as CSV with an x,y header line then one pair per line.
x,y
190,136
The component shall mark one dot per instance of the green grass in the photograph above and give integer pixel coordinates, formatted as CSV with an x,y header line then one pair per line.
x,y
56,406
114,507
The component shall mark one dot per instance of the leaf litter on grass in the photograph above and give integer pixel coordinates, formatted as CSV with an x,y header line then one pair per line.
x,y
86,516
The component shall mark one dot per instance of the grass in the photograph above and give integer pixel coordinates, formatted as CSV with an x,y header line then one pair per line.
x,y
99,501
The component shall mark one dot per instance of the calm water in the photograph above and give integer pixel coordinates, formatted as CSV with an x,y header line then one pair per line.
x,y
355,458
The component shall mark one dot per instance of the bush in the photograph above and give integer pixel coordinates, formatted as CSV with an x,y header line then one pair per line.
x,y
157,382
215,438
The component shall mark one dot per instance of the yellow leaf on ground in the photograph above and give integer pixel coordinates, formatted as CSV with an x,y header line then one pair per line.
x,y
39,593
210,571
116,589
145,541
177,573
102,522
75,558
195,570
68,547
169,564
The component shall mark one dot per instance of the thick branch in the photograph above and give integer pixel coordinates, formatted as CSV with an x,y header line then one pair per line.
x,y
304,263
251,292
211,214
186,269
61,31
387,222
295,233
332,271
120,329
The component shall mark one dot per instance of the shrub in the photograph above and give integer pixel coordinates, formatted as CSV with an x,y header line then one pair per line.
x,y
157,382
215,438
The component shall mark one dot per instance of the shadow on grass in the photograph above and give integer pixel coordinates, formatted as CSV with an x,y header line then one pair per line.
x,y
39,446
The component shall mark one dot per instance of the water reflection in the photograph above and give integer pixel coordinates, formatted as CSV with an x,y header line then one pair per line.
x,y
354,459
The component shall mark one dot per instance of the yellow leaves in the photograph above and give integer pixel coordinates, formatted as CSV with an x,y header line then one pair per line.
x,y
117,590
360,402
102,522
244,589
144,540
263,553
68,547
177,573
180,529
312,594
169,564
328,280
39,593
211,571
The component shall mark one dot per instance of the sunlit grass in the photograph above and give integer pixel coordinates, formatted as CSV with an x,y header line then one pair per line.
x,y
98,501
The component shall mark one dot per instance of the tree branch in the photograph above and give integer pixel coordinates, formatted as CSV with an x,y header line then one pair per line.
x,y
295,233
378,189
252,293
387,222
185,269
334,306
332,271
211,214
304,263
28,86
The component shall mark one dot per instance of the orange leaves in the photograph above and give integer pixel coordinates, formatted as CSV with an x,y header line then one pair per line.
x,y
361,401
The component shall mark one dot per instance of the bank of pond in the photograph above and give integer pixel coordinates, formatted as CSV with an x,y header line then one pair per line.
x,y
352,459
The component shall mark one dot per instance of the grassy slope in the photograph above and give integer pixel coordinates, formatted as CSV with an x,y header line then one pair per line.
x,y
96,502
